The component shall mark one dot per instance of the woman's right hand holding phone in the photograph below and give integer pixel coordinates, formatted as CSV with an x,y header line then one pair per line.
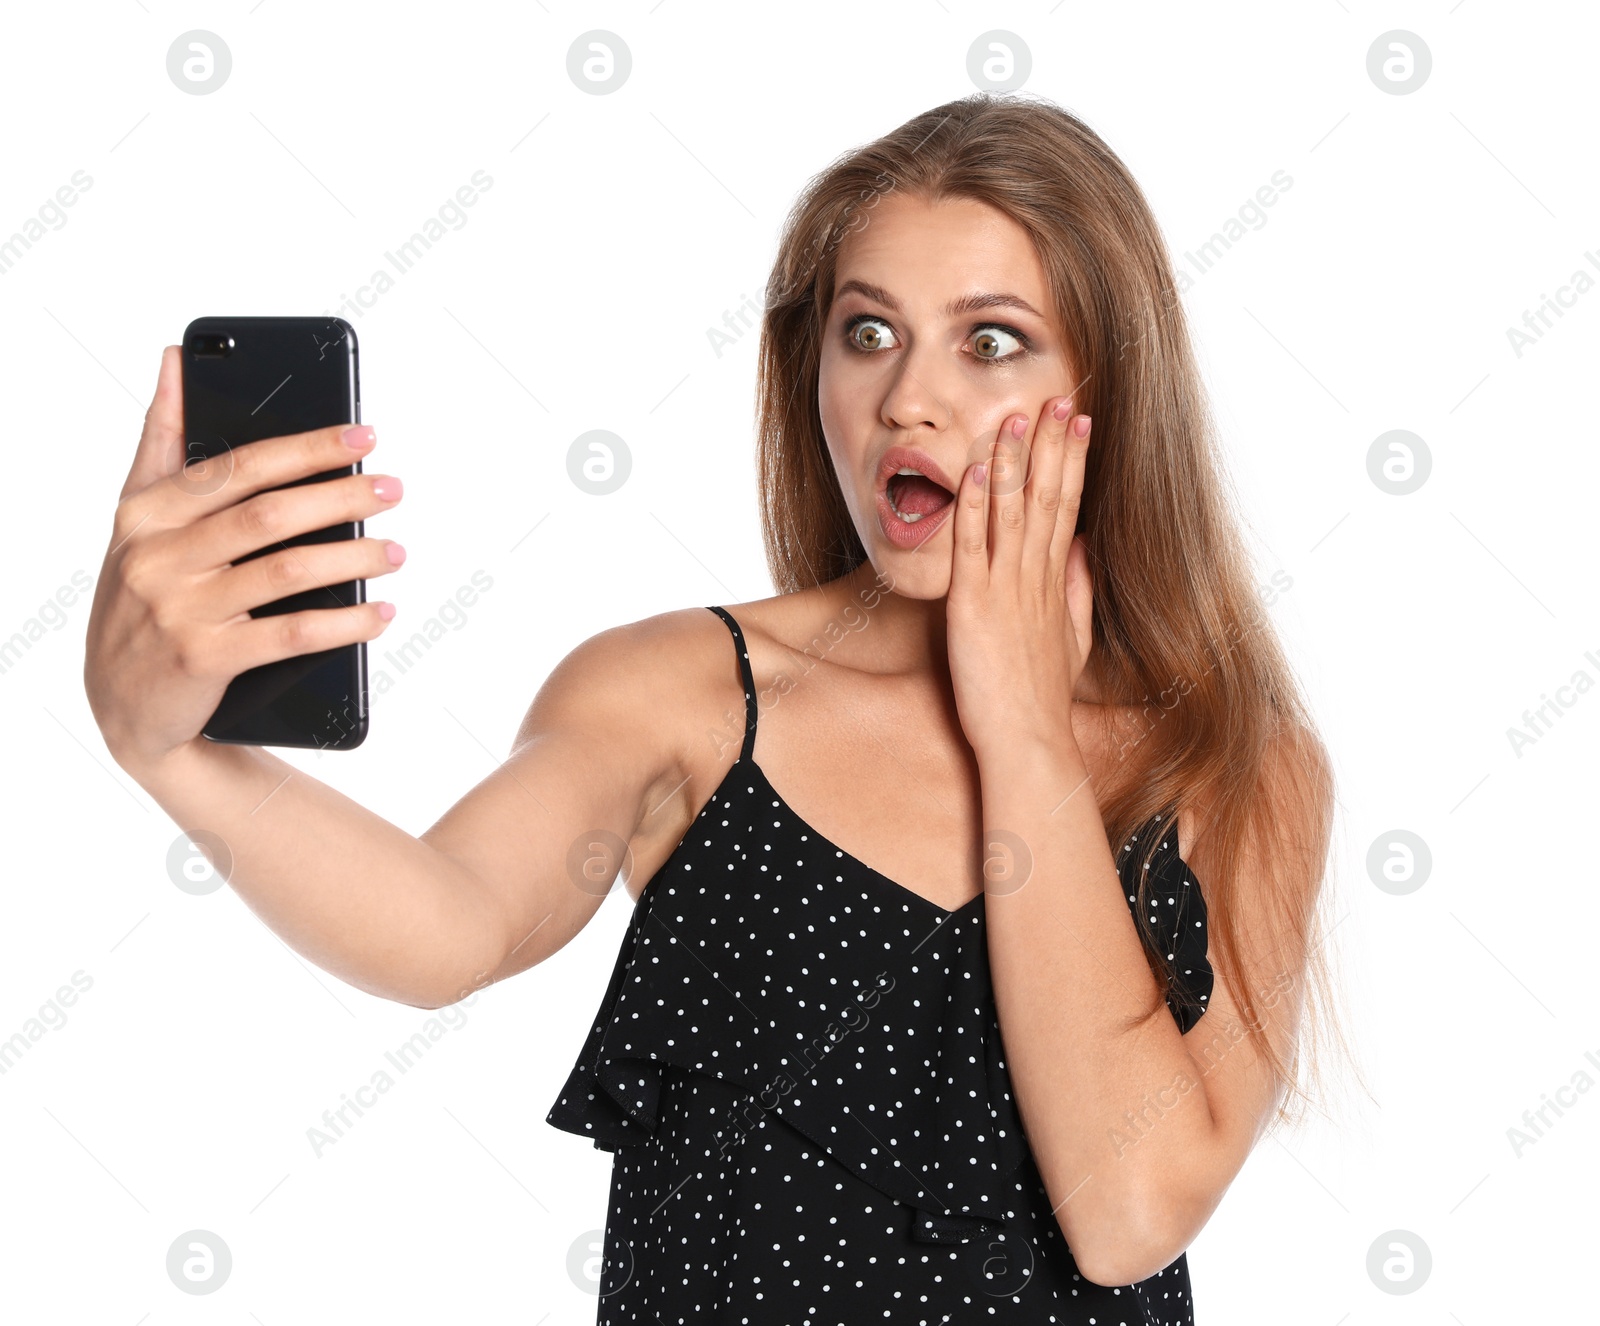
x,y
170,625
489,889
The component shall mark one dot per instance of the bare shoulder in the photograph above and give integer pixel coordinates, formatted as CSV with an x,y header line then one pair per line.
x,y
673,681
709,699
648,679
676,675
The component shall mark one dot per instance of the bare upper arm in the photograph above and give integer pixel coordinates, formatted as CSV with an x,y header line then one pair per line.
x,y
597,765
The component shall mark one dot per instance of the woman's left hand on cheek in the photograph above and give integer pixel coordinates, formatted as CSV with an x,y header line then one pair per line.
x,y
1020,605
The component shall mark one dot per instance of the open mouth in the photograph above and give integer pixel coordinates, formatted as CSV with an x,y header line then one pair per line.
x,y
913,496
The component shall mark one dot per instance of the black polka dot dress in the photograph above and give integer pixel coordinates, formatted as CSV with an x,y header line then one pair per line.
x,y
798,1067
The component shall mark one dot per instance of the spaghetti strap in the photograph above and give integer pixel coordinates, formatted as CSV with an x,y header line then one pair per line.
x,y
748,749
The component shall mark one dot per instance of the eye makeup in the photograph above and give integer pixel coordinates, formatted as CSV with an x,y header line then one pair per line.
x,y
848,331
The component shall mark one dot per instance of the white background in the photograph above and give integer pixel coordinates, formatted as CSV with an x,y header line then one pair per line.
x,y
618,230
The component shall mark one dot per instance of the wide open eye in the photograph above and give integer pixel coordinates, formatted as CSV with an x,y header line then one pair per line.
x,y
988,342
994,343
862,333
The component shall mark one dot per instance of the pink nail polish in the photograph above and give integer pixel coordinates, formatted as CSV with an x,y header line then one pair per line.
x,y
388,488
1062,410
1081,428
1019,426
386,611
359,437
395,552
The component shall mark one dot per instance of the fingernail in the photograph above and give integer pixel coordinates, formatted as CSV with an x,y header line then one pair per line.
x,y
978,472
388,488
1062,410
395,552
386,611
1081,428
1019,425
358,437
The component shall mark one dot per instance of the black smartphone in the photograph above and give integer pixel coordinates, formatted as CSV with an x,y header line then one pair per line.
x,y
244,380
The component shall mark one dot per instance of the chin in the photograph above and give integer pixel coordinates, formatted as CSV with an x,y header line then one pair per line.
x,y
913,575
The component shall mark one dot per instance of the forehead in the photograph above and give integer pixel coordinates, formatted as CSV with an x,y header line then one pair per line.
x,y
926,253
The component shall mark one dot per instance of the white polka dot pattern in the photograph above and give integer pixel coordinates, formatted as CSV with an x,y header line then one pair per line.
x,y
799,1067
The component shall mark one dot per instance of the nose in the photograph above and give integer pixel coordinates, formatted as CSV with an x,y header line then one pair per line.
x,y
915,395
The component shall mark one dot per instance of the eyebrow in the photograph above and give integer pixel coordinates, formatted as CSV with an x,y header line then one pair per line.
x,y
965,304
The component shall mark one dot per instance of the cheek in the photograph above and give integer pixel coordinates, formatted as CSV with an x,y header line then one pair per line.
x,y
1024,394
992,417
831,432
839,408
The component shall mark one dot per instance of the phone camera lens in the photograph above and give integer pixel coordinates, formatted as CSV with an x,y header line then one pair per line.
x,y
211,345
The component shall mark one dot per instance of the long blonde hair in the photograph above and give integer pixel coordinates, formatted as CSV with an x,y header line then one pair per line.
x,y
1178,624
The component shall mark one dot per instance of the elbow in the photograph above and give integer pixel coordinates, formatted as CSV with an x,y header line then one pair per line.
x,y
457,989
1125,1261
1126,1249
1122,1233
425,1003
429,1001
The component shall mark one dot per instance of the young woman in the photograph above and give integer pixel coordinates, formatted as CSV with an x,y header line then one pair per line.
x,y
978,869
